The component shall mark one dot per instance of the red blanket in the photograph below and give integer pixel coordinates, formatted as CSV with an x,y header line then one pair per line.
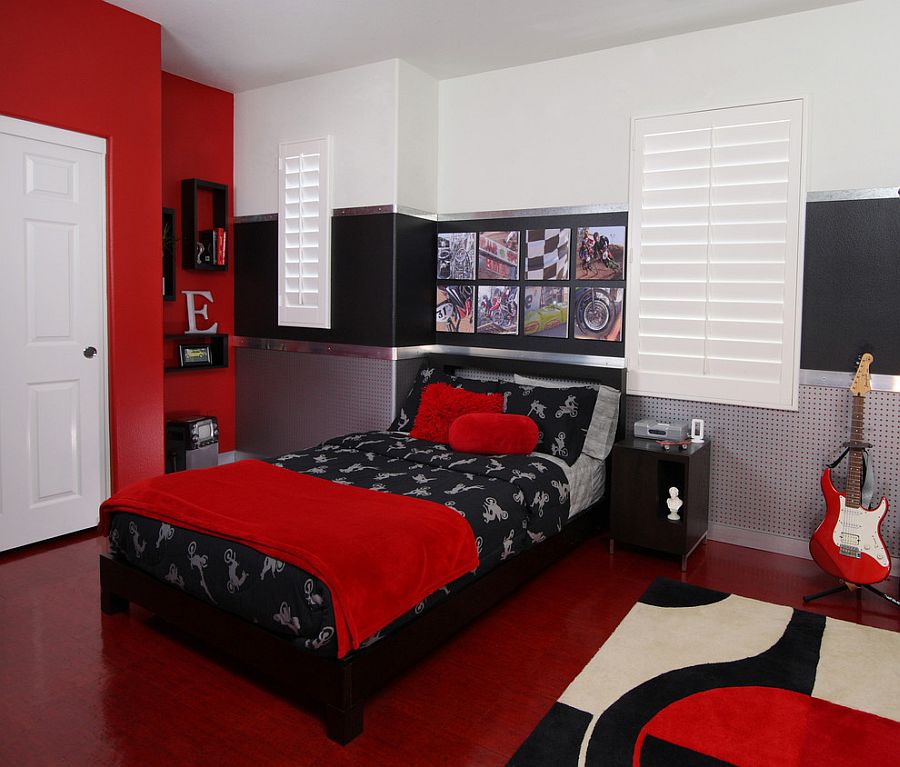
x,y
379,554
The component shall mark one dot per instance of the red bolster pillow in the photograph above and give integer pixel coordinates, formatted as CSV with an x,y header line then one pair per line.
x,y
442,404
494,434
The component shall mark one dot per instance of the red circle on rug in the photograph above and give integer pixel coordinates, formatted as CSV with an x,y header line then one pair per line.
x,y
771,726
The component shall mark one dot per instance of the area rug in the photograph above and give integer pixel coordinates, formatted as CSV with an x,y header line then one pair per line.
x,y
698,677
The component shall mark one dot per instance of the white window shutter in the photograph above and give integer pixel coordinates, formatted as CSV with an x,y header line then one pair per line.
x,y
304,233
715,255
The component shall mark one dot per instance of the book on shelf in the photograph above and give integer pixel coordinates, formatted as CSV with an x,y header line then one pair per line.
x,y
221,235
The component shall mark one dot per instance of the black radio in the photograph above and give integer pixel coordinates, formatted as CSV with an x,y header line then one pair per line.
x,y
192,443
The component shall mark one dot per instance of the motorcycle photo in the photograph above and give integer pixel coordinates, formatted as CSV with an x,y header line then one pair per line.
x,y
498,310
456,256
601,253
454,309
597,311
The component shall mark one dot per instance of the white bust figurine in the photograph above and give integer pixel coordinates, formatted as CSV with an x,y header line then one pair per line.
x,y
674,503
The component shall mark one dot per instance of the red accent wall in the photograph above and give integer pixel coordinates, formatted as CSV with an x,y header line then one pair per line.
x,y
198,142
94,68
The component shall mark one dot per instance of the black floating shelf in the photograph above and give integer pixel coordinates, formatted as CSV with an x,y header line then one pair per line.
x,y
190,188
218,351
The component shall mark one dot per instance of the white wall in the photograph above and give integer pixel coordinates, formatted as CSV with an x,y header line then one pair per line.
x,y
357,106
417,139
557,133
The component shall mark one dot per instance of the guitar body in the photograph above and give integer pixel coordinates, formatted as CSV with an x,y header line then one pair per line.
x,y
848,542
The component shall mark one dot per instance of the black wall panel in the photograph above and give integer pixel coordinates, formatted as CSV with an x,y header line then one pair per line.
x,y
384,277
568,345
414,281
379,282
851,285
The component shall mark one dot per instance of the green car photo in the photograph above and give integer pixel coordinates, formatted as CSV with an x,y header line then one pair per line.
x,y
547,314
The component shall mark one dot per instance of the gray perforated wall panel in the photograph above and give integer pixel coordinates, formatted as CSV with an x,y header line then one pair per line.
x,y
286,401
766,464
765,469
406,373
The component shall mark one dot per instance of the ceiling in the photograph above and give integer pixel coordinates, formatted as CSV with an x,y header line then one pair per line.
x,y
241,44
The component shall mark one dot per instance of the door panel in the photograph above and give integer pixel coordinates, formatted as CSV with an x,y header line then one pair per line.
x,y
53,458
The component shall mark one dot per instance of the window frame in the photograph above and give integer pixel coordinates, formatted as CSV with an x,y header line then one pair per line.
x,y
292,312
707,388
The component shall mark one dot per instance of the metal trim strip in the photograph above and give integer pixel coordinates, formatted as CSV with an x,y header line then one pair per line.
x,y
363,210
254,219
828,378
569,210
836,379
520,354
404,210
315,347
836,195
410,352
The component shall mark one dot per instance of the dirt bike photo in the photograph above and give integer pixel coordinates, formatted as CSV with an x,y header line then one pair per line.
x,y
498,309
601,253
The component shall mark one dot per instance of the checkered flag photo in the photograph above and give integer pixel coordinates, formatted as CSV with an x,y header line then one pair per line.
x,y
547,254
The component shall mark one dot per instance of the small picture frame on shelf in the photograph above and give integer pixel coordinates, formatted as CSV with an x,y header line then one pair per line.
x,y
194,355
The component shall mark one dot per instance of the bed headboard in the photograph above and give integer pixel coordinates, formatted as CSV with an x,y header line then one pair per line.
x,y
590,374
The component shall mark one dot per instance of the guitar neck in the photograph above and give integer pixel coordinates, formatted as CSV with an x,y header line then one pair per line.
x,y
854,477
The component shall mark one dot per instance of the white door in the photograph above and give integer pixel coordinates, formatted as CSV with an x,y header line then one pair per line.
x,y
53,443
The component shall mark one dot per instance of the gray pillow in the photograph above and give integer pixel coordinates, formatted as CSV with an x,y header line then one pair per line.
x,y
601,433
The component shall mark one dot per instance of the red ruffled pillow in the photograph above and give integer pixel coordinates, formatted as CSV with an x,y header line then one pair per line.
x,y
494,434
442,404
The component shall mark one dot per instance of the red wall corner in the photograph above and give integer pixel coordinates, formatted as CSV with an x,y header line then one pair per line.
x,y
91,67
198,142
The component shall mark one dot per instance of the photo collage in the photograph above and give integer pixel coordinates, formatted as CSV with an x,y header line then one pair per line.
x,y
484,282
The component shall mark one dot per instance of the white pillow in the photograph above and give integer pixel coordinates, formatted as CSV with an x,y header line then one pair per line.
x,y
601,433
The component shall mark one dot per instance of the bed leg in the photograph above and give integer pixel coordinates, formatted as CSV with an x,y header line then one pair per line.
x,y
112,603
343,724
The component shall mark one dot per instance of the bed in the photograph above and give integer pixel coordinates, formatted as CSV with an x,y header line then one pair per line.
x,y
525,511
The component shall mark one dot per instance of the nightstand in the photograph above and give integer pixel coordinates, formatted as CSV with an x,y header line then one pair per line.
x,y
642,473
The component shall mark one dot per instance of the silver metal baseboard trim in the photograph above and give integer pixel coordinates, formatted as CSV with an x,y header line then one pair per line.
x,y
410,352
242,455
407,211
518,354
827,378
835,379
776,544
317,347
835,195
832,195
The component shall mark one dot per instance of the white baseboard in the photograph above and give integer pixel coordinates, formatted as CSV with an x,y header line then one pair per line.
x,y
777,544
228,457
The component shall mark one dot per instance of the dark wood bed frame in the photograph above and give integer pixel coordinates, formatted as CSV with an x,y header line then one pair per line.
x,y
343,684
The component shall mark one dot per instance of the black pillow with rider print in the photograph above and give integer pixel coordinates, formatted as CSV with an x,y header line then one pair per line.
x,y
427,375
562,415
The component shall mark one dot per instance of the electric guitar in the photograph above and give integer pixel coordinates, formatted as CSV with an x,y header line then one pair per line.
x,y
848,542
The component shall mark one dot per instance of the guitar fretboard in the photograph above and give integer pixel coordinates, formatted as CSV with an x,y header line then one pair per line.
x,y
854,477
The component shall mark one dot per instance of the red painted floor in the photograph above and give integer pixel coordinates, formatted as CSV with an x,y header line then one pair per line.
x,y
79,688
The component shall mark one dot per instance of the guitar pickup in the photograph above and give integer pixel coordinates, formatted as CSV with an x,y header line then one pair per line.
x,y
849,539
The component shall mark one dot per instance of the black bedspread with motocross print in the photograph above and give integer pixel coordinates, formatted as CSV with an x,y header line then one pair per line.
x,y
510,501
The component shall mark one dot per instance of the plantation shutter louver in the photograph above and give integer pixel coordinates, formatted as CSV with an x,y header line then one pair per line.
x,y
304,221
715,255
